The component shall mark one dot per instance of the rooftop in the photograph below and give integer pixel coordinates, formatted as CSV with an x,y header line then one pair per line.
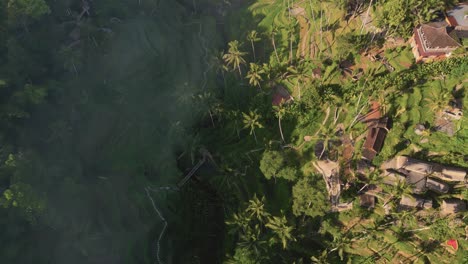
x,y
460,14
417,181
411,201
392,178
280,95
437,186
376,133
439,37
452,206
367,200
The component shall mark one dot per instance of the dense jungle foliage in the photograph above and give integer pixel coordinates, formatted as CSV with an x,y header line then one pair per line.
x,y
143,131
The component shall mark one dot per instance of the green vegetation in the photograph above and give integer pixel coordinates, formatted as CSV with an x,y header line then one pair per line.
x,y
201,131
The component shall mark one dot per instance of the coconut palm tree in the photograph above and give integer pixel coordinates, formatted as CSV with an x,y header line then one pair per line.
x,y
438,101
280,111
397,191
281,230
340,243
234,115
273,32
234,57
208,103
300,73
291,29
322,259
217,62
252,36
255,243
254,74
406,219
251,122
239,223
326,134
372,178
256,207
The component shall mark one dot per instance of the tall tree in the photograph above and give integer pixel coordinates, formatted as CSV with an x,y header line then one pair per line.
x,y
301,73
280,111
251,122
327,134
217,62
22,11
438,100
255,74
234,57
274,164
274,31
256,208
310,197
253,37
281,229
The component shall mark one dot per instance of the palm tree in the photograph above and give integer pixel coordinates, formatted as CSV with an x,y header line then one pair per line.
x,y
372,178
254,74
383,101
322,259
291,29
255,243
208,102
280,111
274,31
300,72
281,229
256,208
217,62
406,219
233,57
340,243
253,37
234,115
239,223
251,121
397,191
438,102
326,134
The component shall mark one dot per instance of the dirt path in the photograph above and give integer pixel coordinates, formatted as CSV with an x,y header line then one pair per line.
x,y
303,36
161,217
327,114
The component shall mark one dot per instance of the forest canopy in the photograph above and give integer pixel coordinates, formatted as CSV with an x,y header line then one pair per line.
x,y
229,132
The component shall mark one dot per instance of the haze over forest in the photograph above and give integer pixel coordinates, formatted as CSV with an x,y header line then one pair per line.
x,y
189,131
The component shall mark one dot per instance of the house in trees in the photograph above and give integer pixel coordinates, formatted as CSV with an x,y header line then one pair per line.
x,y
280,96
421,175
392,177
434,41
452,206
367,200
458,19
417,181
437,186
410,166
376,133
377,128
369,197
437,40
409,202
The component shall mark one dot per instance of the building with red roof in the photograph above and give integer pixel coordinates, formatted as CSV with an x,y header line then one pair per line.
x,y
434,41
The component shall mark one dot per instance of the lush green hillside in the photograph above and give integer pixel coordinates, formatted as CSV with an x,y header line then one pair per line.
x,y
144,131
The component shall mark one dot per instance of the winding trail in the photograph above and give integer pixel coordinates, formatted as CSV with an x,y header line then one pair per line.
x,y
148,188
161,235
205,49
